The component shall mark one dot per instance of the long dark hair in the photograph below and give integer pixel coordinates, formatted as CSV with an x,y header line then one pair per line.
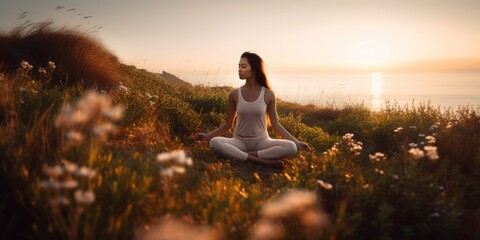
x,y
256,63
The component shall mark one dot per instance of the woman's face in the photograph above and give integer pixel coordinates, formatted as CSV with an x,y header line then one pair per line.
x,y
244,69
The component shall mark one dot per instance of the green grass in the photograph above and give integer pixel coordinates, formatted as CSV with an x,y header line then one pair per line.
x,y
399,197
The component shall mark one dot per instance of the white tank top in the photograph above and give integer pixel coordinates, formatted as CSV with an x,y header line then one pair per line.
x,y
251,116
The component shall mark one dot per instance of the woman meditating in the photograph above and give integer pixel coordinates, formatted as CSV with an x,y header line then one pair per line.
x,y
250,104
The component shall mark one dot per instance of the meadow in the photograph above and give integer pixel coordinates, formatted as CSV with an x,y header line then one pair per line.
x,y
94,149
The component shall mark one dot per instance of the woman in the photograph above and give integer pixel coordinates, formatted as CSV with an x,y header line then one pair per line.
x,y
252,102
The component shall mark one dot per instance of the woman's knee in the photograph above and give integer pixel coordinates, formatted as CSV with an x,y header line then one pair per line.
x,y
215,144
291,148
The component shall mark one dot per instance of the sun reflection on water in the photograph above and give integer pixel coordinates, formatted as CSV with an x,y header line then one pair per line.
x,y
376,82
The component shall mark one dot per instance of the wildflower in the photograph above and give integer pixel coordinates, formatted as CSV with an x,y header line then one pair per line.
x,y
49,184
86,172
289,203
61,200
123,89
178,156
69,184
175,229
416,153
74,137
169,172
177,159
51,65
431,139
101,130
431,152
55,171
377,157
325,185
69,167
268,230
293,203
398,130
26,66
84,197
435,214
113,113
93,112
413,145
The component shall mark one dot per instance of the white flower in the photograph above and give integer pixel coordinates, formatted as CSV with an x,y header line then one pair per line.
x,y
51,65
74,137
49,184
84,197
114,113
416,153
377,157
179,170
431,139
102,129
61,200
85,172
431,152
55,171
325,185
289,203
70,167
398,130
123,88
69,184
266,229
169,172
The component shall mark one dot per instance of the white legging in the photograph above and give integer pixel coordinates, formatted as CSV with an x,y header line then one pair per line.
x,y
267,148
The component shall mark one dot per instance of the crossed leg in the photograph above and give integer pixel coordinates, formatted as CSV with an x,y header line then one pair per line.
x,y
270,152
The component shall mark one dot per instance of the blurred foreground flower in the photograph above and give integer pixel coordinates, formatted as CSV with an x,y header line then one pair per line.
x,y
301,204
416,153
174,162
175,229
90,118
431,152
68,191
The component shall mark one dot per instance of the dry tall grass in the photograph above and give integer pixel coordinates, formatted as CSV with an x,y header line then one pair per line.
x,y
79,58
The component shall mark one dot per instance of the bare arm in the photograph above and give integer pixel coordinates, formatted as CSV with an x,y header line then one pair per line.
x,y
231,113
277,127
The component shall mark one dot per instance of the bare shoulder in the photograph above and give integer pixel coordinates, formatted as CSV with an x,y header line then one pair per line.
x,y
269,96
233,96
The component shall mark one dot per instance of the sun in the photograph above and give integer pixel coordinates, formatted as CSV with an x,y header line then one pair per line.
x,y
367,52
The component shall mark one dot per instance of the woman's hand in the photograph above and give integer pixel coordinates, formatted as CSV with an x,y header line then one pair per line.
x,y
304,146
202,137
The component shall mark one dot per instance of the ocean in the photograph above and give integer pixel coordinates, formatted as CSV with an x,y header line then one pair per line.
x,y
375,90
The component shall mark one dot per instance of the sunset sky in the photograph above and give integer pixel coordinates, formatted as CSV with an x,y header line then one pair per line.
x,y
209,36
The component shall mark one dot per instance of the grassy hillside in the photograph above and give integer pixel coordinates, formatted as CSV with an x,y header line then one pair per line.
x,y
103,157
